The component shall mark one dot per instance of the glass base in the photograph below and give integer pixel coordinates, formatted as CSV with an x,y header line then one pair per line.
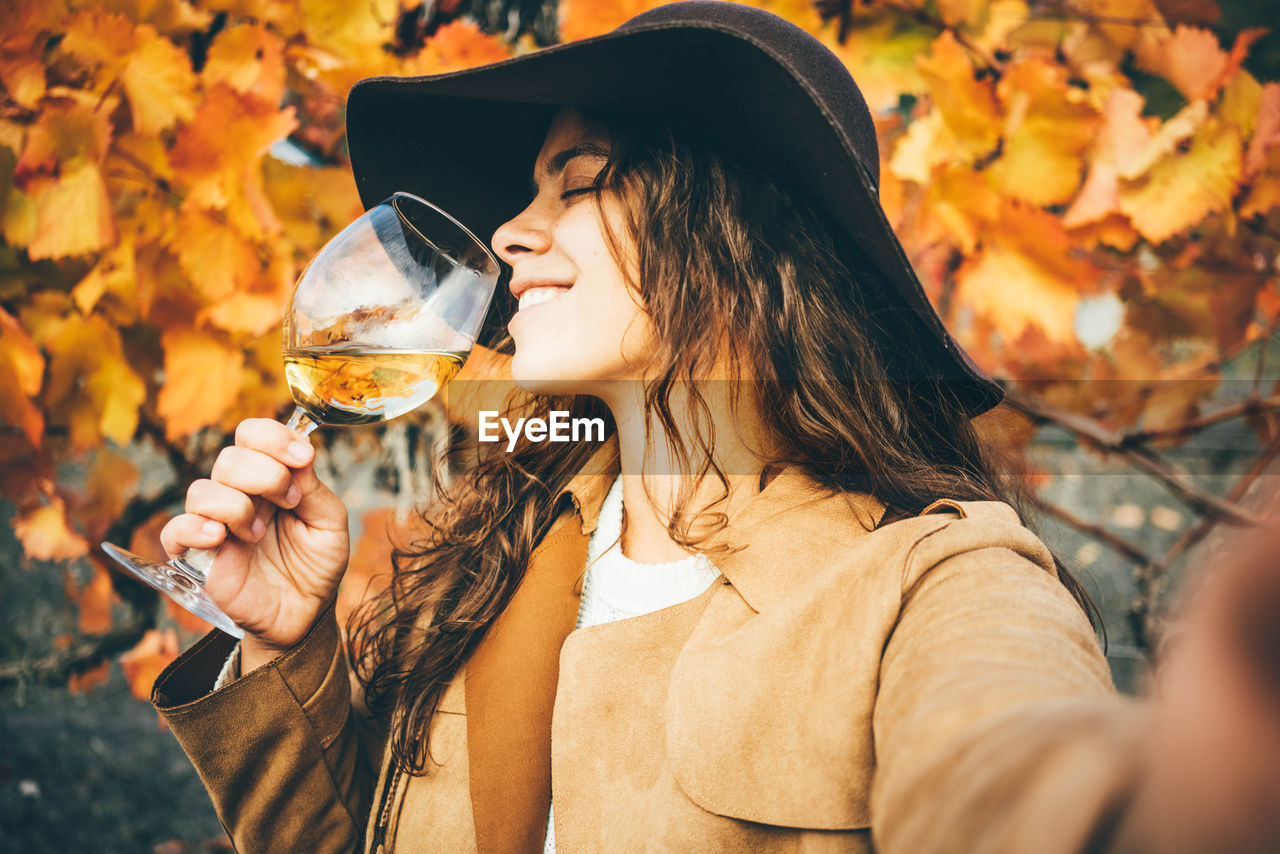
x,y
179,581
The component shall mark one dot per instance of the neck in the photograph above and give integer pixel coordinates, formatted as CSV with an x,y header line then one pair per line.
x,y
653,475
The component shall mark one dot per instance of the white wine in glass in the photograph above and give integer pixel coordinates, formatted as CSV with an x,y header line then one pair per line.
x,y
382,319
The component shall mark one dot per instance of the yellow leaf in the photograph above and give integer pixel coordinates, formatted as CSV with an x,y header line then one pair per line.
x,y
90,386
1025,278
1184,187
967,104
19,218
1048,127
351,29
964,203
217,259
73,216
114,273
313,203
967,13
881,53
167,16
201,379
23,77
1240,102
159,82
247,58
112,481
100,38
72,131
45,535
581,19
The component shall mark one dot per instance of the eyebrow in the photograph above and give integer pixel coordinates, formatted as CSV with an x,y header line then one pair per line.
x,y
561,159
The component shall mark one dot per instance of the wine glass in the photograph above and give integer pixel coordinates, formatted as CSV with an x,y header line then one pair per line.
x,y
379,321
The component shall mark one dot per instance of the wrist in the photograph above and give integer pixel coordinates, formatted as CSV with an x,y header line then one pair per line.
x,y
254,653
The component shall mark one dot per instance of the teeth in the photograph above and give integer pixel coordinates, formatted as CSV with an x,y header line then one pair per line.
x,y
540,294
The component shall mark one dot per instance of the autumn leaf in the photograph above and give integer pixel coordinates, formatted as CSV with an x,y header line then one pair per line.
x,y
22,373
967,105
159,82
201,379
143,664
93,601
45,533
90,680
248,58
1048,127
1184,187
218,260
215,173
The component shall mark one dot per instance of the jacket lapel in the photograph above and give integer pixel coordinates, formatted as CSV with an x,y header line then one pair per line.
x,y
511,677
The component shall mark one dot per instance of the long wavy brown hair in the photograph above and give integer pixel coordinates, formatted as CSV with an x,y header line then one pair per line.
x,y
723,254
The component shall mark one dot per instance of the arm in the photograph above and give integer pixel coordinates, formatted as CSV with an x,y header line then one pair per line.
x,y
997,728
277,749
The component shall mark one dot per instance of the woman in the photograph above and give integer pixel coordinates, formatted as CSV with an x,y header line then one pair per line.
x,y
819,626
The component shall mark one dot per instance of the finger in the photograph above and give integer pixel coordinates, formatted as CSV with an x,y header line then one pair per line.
x,y
318,506
227,505
189,531
274,439
256,473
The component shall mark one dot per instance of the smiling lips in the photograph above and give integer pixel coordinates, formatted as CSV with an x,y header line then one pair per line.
x,y
539,294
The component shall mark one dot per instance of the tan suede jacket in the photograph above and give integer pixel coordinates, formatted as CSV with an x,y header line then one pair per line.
x,y
924,686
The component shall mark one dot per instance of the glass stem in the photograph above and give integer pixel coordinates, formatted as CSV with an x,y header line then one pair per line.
x,y
196,563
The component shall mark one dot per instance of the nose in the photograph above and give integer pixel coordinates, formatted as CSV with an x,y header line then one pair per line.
x,y
524,233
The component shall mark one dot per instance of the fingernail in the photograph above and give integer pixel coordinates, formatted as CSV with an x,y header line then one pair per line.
x,y
213,529
299,452
294,496
259,528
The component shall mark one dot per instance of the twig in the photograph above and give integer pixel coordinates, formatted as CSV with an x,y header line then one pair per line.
x,y
1252,406
1095,433
83,654
1149,576
1117,544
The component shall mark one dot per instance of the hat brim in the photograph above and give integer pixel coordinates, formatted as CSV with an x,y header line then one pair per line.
x,y
467,141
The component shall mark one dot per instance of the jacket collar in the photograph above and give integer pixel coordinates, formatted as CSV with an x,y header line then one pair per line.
x,y
793,515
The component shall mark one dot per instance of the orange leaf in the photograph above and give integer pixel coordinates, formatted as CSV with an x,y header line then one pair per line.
x,y
22,372
581,19
369,570
1266,133
217,258
213,170
967,104
251,314
159,82
89,680
456,45
201,379
111,483
45,535
93,601
144,663
1123,132
249,58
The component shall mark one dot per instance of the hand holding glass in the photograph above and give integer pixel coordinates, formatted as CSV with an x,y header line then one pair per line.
x,y
382,318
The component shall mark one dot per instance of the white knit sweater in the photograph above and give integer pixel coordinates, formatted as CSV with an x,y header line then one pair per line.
x,y
617,587
614,588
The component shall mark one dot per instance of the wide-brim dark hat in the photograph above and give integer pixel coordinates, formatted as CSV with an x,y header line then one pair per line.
x,y
747,81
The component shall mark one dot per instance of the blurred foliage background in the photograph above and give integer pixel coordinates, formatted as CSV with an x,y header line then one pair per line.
x,y
1090,190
